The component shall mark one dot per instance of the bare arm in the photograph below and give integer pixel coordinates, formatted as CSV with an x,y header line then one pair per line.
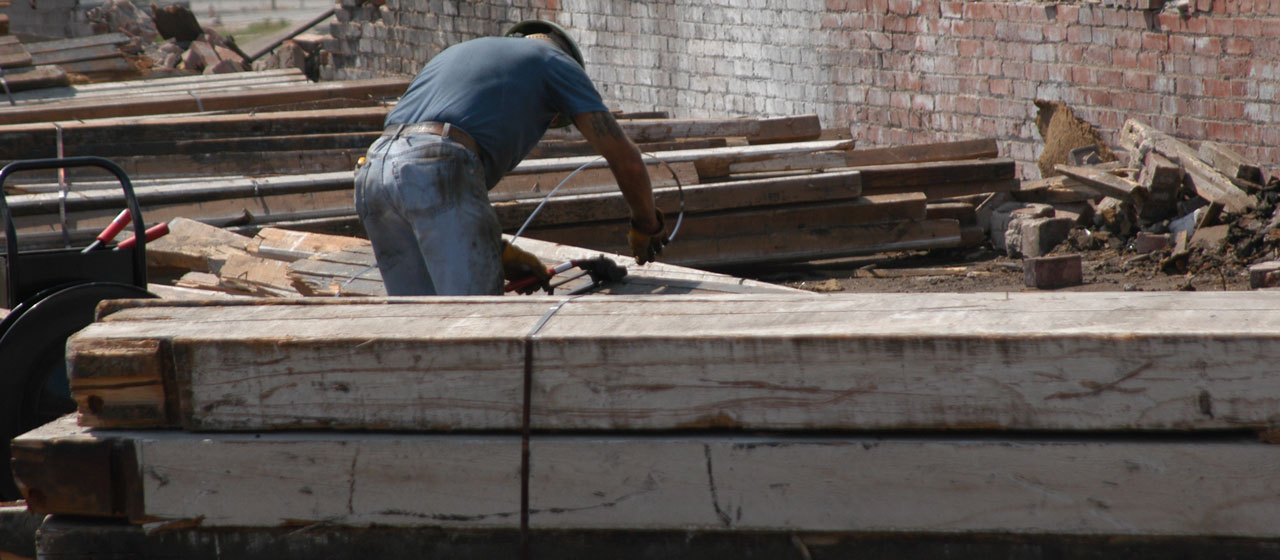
x,y
604,134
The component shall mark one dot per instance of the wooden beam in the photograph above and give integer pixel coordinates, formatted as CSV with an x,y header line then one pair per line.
x,y
77,54
217,101
40,140
353,272
836,158
66,537
609,206
1210,184
35,77
43,47
1032,361
1107,183
13,54
776,234
780,129
908,177
593,178
680,156
570,148
1230,162
700,482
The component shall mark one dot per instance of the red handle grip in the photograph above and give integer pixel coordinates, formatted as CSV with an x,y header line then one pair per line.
x,y
116,225
526,282
151,234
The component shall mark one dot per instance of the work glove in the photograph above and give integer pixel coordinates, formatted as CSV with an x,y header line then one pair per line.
x,y
646,246
518,264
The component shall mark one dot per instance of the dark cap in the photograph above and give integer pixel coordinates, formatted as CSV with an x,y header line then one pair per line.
x,y
536,26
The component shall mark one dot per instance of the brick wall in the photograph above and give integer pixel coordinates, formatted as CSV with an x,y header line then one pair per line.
x,y
892,72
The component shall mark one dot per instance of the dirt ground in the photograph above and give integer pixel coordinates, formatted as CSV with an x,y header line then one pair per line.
x,y
985,270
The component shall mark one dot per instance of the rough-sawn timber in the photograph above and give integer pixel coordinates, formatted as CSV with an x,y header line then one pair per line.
x,y
615,481
1021,361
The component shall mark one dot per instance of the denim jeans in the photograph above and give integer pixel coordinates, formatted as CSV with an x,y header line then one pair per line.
x,y
423,202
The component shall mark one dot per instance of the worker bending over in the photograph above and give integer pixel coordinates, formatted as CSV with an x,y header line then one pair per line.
x,y
473,113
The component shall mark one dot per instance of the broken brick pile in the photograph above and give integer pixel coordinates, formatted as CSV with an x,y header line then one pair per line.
x,y
1171,206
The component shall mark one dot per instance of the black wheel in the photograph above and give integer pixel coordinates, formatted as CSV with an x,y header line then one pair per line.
x,y
34,388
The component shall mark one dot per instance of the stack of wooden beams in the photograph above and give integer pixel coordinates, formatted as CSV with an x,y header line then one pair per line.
x,y
752,190
206,261
1051,414
781,202
46,64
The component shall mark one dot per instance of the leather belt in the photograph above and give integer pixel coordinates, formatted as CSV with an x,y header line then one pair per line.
x,y
443,130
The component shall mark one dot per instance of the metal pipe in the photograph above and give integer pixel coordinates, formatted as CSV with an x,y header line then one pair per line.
x,y
291,35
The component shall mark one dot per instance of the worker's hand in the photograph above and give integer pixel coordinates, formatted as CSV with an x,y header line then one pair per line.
x,y
518,264
645,246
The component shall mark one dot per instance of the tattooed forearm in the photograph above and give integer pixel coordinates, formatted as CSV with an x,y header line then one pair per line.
x,y
604,126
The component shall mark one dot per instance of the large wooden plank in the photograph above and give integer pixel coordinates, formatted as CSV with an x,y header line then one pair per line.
x,y
76,54
79,538
696,199
712,167
43,47
353,272
592,179
729,153
724,483
40,140
215,101
778,129
13,54
778,234
114,65
1020,361
35,77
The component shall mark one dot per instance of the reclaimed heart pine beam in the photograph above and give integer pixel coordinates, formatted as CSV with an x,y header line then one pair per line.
x,y
1018,361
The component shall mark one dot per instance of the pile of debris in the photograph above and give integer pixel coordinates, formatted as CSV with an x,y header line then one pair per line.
x,y
132,43
1163,203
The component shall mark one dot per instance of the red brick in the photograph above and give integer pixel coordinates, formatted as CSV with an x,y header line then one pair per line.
x,y
1171,22
1220,26
1217,88
1128,41
1237,46
1249,27
1195,24
999,86
1151,62
1155,41
1208,46
1110,78
1145,242
1124,58
1053,272
1137,81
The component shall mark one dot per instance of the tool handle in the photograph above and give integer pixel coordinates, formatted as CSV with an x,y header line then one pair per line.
x,y
152,233
531,280
525,282
112,230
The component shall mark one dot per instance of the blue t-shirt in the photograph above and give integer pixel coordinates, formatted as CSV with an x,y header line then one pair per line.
x,y
503,91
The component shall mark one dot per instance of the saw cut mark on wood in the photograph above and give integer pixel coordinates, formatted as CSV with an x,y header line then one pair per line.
x,y
742,483
1070,361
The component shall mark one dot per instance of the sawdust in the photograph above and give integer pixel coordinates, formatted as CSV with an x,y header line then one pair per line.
x,y
1062,132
